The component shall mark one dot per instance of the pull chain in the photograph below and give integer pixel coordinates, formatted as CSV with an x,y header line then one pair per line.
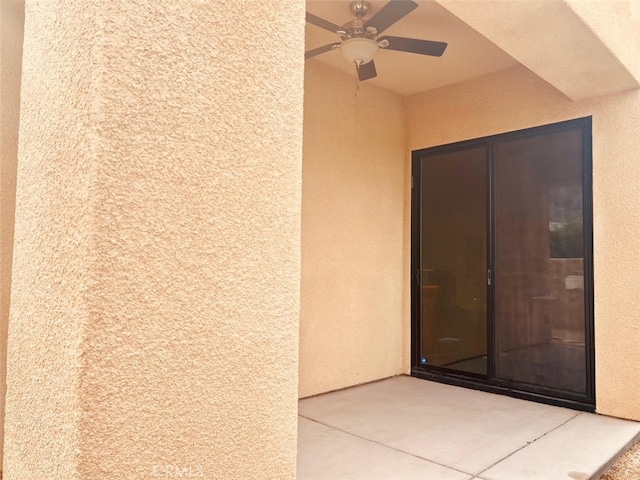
x,y
357,85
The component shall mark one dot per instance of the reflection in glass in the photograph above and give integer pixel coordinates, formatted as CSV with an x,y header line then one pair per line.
x,y
453,273
565,221
540,310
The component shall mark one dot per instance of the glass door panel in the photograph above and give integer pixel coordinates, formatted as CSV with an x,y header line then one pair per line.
x,y
539,261
453,260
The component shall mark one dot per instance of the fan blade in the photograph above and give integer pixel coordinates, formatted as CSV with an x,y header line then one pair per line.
x,y
390,14
413,45
367,71
322,23
319,50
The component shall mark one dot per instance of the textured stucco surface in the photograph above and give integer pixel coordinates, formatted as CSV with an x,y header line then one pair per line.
x,y
352,203
569,43
11,33
52,243
156,295
514,99
617,25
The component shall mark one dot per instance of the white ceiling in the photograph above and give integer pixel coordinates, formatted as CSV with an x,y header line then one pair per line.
x,y
468,55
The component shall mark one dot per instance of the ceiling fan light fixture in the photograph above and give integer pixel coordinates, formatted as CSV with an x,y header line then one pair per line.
x,y
359,50
361,40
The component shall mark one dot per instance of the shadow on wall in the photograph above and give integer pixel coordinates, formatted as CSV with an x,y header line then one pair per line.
x,y
11,38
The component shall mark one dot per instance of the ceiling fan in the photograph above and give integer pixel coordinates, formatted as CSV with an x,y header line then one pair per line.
x,y
361,40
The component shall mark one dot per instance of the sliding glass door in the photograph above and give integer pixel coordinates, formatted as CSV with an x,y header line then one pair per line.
x,y
539,261
501,257
453,260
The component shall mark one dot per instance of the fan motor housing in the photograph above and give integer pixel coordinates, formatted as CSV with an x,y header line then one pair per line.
x,y
356,28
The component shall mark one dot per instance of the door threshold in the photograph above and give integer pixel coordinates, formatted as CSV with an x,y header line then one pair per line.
x,y
467,382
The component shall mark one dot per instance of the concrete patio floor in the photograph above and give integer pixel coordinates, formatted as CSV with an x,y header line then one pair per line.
x,y
406,428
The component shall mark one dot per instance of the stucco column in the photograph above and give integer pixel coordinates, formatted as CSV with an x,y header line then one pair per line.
x,y
155,296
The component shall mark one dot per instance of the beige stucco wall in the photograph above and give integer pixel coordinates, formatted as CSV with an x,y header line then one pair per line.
x,y
352,202
515,99
11,32
617,25
598,39
155,303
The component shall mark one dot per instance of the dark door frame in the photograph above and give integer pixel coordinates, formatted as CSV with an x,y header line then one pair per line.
x,y
490,383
